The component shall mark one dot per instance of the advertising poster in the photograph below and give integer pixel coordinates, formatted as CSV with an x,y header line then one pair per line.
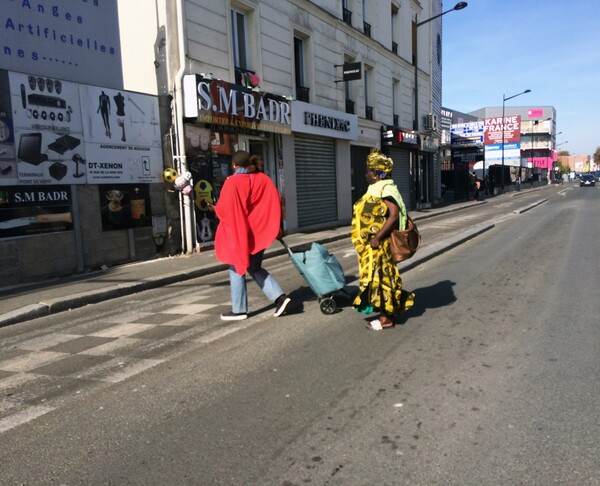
x,y
34,210
8,164
74,40
495,130
467,134
122,135
125,206
512,154
46,117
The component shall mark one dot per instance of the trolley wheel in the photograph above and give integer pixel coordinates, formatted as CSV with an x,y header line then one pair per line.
x,y
328,305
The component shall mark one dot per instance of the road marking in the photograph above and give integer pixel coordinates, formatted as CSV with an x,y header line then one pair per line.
x,y
23,417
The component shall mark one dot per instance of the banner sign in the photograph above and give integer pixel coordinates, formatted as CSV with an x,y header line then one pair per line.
x,y
73,40
58,132
122,136
467,134
512,154
493,128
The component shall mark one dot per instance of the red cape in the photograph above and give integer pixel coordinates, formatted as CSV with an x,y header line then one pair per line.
x,y
249,212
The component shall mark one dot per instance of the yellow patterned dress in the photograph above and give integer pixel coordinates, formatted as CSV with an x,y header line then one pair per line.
x,y
380,281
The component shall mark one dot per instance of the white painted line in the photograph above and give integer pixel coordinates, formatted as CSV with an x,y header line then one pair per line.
x,y
23,417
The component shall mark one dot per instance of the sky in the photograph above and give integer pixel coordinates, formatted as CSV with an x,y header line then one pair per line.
x,y
494,49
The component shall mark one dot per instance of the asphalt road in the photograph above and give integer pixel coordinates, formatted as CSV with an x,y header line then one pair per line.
x,y
492,378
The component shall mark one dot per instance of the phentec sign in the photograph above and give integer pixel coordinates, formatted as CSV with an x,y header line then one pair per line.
x,y
233,106
317,120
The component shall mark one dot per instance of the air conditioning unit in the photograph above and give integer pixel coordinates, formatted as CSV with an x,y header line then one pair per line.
x,y
431,122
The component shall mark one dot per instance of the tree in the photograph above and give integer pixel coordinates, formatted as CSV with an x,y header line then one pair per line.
x,y
597,156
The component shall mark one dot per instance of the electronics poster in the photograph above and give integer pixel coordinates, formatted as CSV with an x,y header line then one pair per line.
x,y
48,136
124,206
8,164
34,210
122,134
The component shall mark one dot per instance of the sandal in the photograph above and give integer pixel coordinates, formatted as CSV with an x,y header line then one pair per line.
x,y
377,326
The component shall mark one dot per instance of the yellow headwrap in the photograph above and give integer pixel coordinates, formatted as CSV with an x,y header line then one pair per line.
x,y
377,161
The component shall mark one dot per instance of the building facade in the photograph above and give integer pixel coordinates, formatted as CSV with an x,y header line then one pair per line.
x,y
311,86
80,152
529,149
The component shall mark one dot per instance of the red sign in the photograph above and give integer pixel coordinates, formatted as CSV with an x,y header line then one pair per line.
x,y
535,113
493,129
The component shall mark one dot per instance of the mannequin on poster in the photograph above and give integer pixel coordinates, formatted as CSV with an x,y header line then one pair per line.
x,y
104,110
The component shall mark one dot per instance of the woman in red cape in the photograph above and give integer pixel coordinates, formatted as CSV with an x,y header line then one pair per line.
x,y
249,212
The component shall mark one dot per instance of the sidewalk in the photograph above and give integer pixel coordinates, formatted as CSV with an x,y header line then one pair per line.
x,y
26,302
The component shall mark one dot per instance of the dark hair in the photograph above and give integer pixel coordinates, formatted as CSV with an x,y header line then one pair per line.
x,y
241,158
256,163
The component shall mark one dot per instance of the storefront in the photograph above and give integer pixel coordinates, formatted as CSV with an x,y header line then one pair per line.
x,y
219,119
321,143
400,146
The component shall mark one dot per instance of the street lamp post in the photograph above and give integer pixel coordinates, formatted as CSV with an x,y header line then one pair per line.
x,y
556,147
504,100
458,6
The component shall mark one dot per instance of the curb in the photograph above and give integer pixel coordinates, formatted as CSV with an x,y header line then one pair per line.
x,y
74,301
530,206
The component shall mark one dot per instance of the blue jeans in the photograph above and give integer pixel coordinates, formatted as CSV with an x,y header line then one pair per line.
x,y
266,282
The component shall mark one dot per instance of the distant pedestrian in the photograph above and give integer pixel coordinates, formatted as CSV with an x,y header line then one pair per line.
x,y
518,182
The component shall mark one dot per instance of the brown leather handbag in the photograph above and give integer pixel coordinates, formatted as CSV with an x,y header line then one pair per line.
x,y
405,243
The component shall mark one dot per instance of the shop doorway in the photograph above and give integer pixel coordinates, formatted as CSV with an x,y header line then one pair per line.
x,y
260,147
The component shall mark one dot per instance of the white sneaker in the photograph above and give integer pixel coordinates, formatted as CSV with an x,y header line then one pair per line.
x,y
232,316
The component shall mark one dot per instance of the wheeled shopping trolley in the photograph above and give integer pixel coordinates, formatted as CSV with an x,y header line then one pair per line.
x,y
323,274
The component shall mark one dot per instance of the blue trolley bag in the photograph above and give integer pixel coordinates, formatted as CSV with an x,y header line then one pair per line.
x,y
322,271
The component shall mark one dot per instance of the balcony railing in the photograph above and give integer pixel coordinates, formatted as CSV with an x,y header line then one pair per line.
x,y
368,112
302,93
350,107
395,47
347,16
367,29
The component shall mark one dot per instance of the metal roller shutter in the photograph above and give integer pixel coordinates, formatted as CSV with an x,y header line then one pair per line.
x,y
315,180
401,173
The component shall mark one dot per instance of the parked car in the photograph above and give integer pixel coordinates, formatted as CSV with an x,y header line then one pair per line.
x,y
587,180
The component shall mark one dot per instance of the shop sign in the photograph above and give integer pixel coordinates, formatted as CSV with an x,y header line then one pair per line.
x,y
352,71
393,136
317,120
35,210
428,144
220,103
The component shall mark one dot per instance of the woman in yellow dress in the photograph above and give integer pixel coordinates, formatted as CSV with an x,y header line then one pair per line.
x,y
375,215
